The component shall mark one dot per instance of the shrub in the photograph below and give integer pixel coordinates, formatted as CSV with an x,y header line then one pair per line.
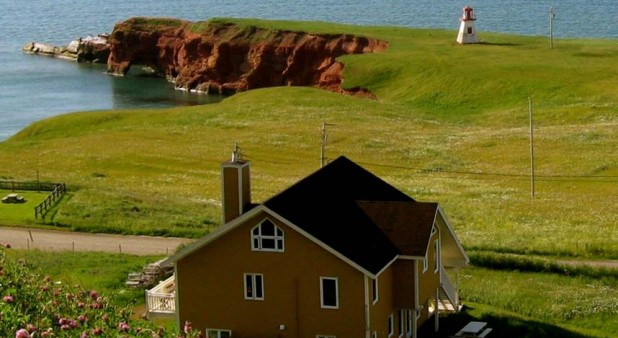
x,y
33,306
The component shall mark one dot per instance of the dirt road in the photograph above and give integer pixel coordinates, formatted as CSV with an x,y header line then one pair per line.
x,y
50,240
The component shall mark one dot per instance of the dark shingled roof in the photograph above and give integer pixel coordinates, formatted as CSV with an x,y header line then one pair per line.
x,y
357,214
407,224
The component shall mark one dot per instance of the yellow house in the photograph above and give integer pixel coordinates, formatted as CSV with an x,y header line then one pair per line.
x,y
339,254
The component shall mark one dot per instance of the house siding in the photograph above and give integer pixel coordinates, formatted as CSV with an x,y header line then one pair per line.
x,y
403,283
291,288
429,280
381,310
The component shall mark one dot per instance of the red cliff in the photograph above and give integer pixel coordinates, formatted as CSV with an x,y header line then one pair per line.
x,y
227,58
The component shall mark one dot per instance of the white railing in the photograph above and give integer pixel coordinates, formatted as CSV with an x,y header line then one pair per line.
x,y
161,298
161,302
449,289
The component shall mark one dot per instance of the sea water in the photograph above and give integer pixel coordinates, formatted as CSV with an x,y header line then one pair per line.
x,y
35,87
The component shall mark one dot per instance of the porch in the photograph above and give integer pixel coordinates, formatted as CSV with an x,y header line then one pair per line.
x,y
161,300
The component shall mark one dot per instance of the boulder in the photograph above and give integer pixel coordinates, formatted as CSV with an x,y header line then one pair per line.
x,y
93,49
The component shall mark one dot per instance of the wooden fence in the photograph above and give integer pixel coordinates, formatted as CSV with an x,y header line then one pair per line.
x,y
50,200
29,185
57,191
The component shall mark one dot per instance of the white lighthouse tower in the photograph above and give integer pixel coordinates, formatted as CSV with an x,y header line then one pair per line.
x,y
467,31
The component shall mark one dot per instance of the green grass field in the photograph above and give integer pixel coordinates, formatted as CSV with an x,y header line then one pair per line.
x,y
450,124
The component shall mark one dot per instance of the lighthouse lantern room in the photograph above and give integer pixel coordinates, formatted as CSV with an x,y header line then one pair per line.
x,y
467,31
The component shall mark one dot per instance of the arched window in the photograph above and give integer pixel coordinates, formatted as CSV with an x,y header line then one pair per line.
x,y
266,237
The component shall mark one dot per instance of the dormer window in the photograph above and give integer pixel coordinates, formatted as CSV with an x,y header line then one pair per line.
x,y
266,236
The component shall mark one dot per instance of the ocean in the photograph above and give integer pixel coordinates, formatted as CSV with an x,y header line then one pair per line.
x,y
35,87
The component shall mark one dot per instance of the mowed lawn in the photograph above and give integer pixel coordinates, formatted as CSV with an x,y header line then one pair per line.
x,y
20,213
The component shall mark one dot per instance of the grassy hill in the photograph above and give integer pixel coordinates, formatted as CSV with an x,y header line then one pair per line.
x,y
450,125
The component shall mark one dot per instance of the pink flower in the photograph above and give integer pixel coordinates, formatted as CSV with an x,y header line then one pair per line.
x,y
94,294
123,326
8,299
188,328
22,333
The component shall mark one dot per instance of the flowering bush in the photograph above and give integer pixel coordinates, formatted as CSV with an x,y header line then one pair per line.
x,y
32,306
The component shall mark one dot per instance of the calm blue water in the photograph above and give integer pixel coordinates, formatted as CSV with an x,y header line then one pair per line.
x,y
35,87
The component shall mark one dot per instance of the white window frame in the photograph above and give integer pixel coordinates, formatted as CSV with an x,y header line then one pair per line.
x,y
391,325
401,322
375,334
436,256
409,323
325,306
374,290
257,239
217,333
253,277
425,263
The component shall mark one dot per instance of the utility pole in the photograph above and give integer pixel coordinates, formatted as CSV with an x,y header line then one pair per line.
x,y
552,14
531,148
323,144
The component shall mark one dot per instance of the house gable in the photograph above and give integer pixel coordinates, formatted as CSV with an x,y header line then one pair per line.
x,y
212,285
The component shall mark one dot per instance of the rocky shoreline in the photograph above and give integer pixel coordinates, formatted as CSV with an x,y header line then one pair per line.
x,y
225,58
93,49
219,57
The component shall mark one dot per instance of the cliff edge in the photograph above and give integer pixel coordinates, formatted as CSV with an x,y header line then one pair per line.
x,y
226,58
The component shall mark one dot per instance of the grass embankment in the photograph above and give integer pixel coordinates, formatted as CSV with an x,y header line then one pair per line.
x,y
450,125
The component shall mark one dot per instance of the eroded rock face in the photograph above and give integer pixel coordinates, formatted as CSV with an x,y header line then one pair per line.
x,y
227,58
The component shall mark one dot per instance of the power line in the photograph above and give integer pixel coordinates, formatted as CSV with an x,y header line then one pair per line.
x,y
462,174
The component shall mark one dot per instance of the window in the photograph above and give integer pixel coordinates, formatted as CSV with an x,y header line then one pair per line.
x,y
254,286
375,334
374,289
266,237
401,321
216,333
409,323
436,256
469,30
329,292
425,263
390,325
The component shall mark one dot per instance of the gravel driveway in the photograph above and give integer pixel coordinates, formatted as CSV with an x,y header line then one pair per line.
x,y
51,240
